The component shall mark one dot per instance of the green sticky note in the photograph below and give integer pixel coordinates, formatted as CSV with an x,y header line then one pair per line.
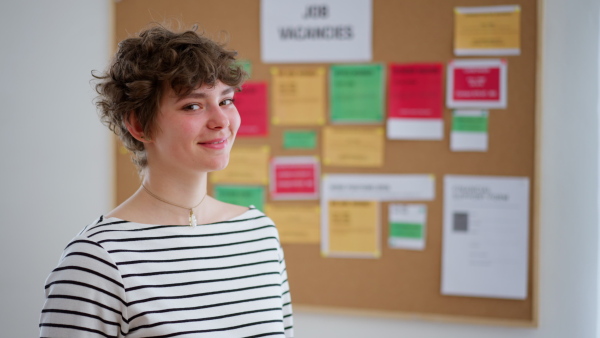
x,y
241,195
357,93
476,121
406,230
299,139
246,66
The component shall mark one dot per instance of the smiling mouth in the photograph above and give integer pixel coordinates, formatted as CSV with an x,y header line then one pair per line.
x,y
217,142
214,142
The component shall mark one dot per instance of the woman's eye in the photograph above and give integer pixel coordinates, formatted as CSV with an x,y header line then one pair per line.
x,y
192,107
227,102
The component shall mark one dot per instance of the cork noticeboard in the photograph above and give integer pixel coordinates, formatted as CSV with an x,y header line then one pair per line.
x,y
401,282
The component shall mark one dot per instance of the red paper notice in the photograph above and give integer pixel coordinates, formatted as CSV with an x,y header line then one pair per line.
x,y
477,84
294,177
416,91
251,103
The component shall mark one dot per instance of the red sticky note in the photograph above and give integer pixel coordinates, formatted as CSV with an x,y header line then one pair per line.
x,y
251,103
416,91
294,177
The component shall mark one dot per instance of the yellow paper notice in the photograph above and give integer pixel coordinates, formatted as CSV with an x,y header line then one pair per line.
x,y
353,147
298,96
491,30
247,165
298,224
354,228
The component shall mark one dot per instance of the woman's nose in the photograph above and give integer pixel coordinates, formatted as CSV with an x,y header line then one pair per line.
x,y
218,118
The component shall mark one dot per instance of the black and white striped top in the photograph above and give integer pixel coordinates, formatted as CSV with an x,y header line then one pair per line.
x,y
123,279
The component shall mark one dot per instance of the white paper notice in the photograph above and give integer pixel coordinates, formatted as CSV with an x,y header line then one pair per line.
x,y
407,226
378,187
415,129
486,236
299,31
370,187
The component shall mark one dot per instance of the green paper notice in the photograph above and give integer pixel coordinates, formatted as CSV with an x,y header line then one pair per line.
x,y
464,123
406,230
299,139
241,195
469,130
357,93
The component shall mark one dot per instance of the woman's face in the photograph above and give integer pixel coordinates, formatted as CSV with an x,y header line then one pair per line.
x,y
194,132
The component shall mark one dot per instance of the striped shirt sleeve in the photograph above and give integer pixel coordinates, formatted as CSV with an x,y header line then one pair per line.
x,y
288,320
85,296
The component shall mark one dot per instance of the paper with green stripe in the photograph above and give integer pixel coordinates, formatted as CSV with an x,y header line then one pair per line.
x,y
469,130
407,226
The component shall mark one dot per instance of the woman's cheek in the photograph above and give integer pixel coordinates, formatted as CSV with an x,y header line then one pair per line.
x,y
235,121
188,127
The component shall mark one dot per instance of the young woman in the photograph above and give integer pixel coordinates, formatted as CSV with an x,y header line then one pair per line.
x,y
171,261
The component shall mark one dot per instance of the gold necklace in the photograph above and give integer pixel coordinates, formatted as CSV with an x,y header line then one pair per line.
x,y
193,221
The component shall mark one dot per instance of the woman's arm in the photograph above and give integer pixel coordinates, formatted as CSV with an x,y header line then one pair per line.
x,y
288,320
85,296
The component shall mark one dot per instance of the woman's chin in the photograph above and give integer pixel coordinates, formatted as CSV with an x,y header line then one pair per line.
x,y
216,166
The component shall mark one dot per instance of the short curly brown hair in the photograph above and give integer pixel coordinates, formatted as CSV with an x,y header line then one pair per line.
x,y
147,64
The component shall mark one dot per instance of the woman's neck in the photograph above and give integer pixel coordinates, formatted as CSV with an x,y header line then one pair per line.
x,y
181,189
173,196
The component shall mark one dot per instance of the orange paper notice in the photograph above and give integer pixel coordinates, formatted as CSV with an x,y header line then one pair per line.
x,y
354,229
298,224
353,146
298,96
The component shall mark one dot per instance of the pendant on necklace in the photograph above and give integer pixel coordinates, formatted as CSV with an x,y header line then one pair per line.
x,y
193,221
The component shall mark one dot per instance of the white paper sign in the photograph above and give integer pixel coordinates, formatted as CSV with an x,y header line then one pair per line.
x,y
415,129
486,236
302,31
378,187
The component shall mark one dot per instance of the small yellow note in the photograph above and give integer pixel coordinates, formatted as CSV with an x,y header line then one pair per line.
x,y
354,228
353,146
489,30
298,96
298,224
247,165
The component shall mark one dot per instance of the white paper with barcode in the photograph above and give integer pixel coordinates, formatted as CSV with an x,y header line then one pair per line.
x,y
486,236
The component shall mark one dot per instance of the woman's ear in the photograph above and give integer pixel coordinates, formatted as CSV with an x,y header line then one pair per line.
x,y
135,128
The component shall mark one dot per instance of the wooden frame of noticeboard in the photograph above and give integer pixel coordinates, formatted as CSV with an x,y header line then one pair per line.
x,y
404,284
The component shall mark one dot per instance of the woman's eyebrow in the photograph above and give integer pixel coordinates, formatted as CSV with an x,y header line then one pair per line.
x,y
227,90
191,96
202,95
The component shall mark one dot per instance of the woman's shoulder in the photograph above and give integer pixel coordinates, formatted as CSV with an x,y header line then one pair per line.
x,y
241,217
225,211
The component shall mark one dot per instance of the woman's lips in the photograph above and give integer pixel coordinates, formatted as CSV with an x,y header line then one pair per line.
x,y
215,144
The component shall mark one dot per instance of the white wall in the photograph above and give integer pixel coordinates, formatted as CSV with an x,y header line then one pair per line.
x,y
55,169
